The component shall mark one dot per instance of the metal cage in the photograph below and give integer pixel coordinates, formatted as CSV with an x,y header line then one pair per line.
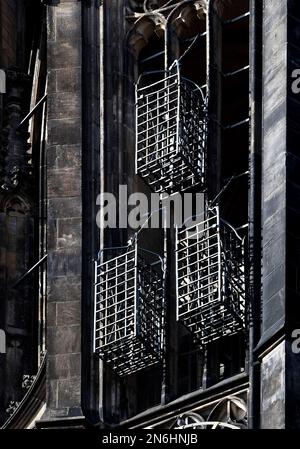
x,y
210,258
171,133
129,309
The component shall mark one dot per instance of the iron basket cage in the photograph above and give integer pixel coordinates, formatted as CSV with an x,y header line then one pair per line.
x,y
171,132
129,309
211,290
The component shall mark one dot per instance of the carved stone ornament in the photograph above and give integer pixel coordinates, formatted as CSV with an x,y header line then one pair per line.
x,y
183,18
15,162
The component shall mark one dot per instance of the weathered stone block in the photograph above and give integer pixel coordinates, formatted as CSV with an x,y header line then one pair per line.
x,y
64,131
52,393
67,18
69,392
64,339
274,312
275,247
273,389
68,80
64,54
66,262
64,156
64,183
51,314
64,366
69,233
52,234
64,207
64,104
64,288
68,313
274,281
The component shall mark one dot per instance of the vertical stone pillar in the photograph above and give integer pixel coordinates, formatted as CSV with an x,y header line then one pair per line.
x,y
64,190
280,367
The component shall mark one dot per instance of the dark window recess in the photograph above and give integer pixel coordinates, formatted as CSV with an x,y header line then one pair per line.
x,y
225,358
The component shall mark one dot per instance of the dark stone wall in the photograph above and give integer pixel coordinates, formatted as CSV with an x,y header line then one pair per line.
x,y
274,192
18,211
292,167
273,389
64,190
280,375
292,378
16,312
274,170
8,35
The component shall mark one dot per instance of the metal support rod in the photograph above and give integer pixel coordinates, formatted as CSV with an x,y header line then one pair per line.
x,y
190,39
32,112
235,72
235,125
164,385
153,56
30,270
233,178
255,167
236,19
168,21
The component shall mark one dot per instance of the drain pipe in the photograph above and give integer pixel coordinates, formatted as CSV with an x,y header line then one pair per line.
x,y
255,249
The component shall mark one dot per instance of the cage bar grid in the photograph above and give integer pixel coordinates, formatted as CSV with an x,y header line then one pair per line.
x,y
211,300
171,133
129,307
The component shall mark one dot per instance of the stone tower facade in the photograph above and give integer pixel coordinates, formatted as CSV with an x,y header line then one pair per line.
x,y
80,76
